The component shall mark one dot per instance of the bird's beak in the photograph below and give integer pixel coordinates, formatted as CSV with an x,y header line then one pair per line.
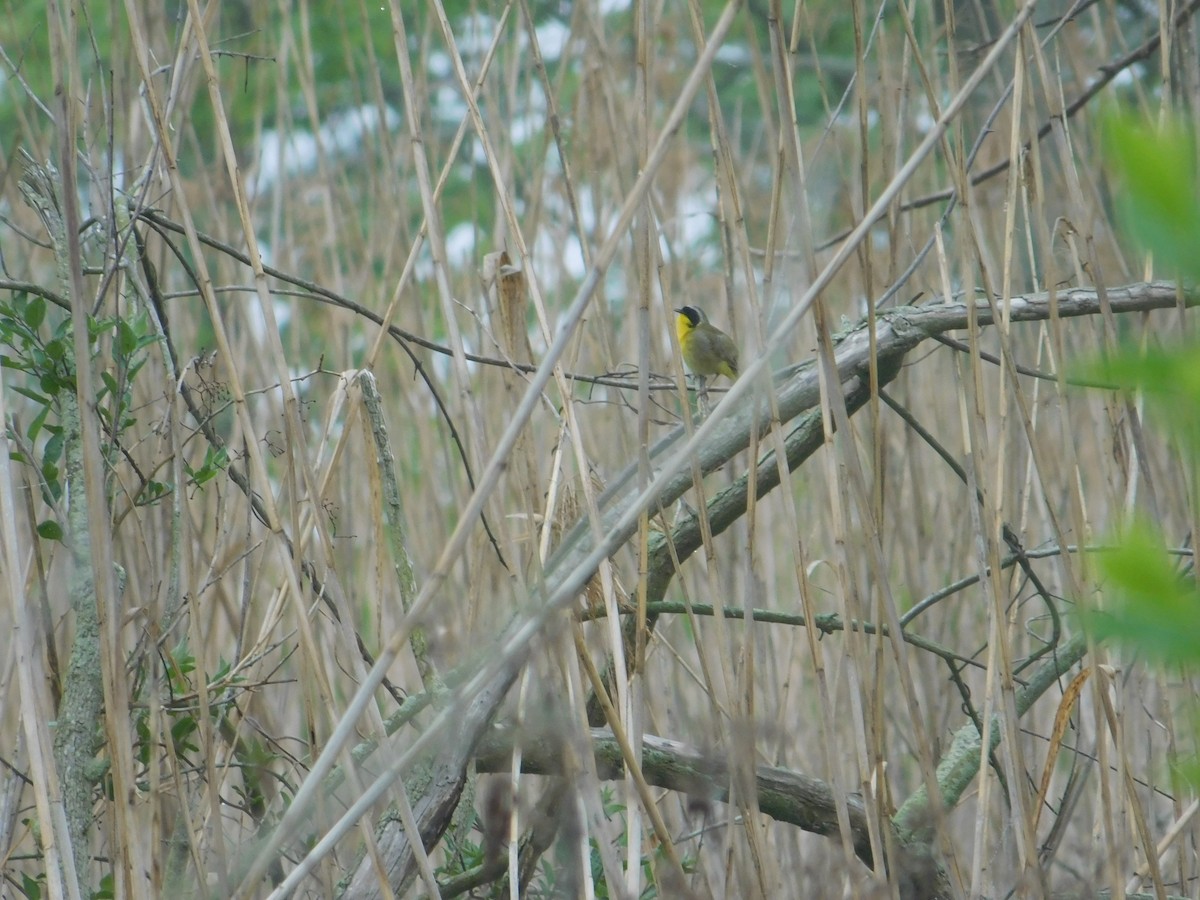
x,y
679,309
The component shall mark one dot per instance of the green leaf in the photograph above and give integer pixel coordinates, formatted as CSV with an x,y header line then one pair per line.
x,y
1155,184
35,426
32,395
181,730
31,888
1148,605
1169,373
152,492
215,461
126,339
1170,379
221,672
56,350
97,327
35,313
54,448
52,489
107,889
50,530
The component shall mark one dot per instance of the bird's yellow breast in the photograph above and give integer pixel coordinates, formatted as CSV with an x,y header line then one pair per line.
x,y
683,327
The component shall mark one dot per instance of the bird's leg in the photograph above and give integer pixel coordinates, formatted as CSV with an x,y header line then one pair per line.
x,y
702,396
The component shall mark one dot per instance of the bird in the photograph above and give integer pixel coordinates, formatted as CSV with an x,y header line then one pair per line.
x,y
707,350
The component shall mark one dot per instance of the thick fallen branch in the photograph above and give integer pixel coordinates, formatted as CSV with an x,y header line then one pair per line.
x,y
784,795
899,330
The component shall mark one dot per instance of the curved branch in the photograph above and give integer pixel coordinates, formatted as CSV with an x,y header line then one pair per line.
x,y
407,339
899,330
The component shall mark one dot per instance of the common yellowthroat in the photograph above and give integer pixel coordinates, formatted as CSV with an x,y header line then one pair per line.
x,y
707,350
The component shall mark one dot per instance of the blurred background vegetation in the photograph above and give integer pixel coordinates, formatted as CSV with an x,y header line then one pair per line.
x,y
251,531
